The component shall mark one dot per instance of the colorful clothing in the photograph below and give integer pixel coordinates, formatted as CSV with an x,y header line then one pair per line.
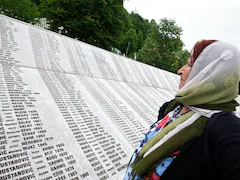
x,y
154,129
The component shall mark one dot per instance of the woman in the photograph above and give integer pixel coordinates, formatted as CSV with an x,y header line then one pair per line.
x,y
197,136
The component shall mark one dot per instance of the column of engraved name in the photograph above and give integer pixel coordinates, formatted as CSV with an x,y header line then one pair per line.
x,y
105,68
62,164
78,60
144,111
116,110
14,161
27,142
102,141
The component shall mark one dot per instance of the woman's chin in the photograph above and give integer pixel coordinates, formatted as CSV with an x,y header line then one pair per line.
x,y
180,86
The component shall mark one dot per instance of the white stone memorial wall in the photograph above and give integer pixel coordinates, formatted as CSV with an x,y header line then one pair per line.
x,y
69,110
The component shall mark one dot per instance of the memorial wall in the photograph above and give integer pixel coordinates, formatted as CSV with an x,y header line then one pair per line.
x,y
69,110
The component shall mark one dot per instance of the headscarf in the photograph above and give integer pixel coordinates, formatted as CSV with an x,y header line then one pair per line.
x,y
211,87
214,79
198,48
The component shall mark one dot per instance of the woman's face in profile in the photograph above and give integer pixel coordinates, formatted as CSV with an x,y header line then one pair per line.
x,y
184,73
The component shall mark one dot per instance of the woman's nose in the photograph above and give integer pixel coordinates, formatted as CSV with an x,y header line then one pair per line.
x,y
180,70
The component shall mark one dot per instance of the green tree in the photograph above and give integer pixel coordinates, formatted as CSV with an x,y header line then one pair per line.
x,y
98,22
126,25
142,28
137,21
37,2
150,28
140,39
149,53
24,10
129,43
165,43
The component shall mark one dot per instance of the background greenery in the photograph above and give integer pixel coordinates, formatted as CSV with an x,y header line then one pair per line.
x,y
106,24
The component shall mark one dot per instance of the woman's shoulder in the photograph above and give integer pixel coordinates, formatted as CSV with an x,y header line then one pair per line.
x,y
224,129
224,124
224,145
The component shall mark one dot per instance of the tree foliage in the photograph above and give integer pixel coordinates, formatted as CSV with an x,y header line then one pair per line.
x,y
129,42
141,27
149,53
24,10
37,2
164,45
98,22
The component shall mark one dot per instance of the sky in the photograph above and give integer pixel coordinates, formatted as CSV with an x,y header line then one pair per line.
x,y
202,19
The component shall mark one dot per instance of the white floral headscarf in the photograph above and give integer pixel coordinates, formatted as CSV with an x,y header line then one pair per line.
x,y
214,77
